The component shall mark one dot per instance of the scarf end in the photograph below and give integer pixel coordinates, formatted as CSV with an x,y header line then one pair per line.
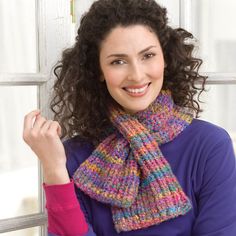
x,y
143,220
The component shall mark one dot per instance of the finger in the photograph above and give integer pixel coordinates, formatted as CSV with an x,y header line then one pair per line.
x,y
59,131
46,126
28,119
55,128
39,122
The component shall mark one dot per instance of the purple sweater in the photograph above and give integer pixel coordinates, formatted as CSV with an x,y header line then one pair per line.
x,y
203,160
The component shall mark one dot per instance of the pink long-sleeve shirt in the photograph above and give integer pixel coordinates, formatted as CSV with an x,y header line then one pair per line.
x,y
63,207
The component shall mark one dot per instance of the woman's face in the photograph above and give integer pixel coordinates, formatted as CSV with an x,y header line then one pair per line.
x,y
132,64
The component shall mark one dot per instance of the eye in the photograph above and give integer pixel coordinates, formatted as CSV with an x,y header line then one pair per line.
x,y
118,62
148,55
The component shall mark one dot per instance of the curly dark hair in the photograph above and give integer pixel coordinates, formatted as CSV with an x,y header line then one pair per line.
x,y
80,101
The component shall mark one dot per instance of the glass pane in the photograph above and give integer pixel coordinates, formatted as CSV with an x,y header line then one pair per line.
x,y
212,25
81,6
18,44
219,107
18,165
172,7
24,232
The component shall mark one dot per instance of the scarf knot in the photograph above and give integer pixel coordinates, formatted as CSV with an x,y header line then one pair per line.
x,y
128,170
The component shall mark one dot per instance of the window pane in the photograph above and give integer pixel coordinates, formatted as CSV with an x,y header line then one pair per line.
x,y
18,44
24,232
219,107
212,25
18,165
172,7
81,6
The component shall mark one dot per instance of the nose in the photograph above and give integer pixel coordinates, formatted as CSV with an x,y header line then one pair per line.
x,y
136,72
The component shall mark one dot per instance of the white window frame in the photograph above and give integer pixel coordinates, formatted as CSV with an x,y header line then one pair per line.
x,y
53,35
221,78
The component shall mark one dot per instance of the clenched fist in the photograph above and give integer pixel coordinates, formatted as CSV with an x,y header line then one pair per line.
x,y
43,136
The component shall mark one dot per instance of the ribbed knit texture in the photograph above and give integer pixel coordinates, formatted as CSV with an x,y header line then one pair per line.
x,y
128,170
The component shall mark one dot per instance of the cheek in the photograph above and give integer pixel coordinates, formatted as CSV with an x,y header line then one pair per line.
x,y
113,78
157,72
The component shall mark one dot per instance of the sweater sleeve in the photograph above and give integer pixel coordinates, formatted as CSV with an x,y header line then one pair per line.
x,y
217,196
65,216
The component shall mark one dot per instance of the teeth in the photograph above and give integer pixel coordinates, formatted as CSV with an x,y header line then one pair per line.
x,y
140,90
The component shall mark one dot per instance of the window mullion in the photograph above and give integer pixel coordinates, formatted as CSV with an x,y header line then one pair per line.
x,y
220,78
22,79
22,222
185,18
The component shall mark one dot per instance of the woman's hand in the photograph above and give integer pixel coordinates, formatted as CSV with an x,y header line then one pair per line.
x,y
43,136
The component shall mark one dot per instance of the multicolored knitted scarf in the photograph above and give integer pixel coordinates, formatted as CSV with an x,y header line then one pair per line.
x,y
128,170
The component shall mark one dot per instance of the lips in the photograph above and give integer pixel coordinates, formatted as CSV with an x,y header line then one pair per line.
x,y
137,90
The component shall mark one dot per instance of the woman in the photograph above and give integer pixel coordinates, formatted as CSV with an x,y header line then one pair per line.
x,y
137,162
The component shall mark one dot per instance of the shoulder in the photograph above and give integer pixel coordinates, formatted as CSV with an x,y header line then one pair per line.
x,y
209,135
77,151
206,132
214,180
209,139
205,142
207,127
215,157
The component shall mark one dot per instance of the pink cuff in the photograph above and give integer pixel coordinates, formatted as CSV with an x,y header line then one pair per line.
x,y
60,197
65,216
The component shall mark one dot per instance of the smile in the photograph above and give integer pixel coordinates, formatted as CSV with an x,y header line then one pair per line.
x,y
137,90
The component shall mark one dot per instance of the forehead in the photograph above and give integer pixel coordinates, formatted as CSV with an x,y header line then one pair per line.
x,y
121,38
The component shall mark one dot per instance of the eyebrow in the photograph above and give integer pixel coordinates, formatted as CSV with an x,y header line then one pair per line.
x,y
125,55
